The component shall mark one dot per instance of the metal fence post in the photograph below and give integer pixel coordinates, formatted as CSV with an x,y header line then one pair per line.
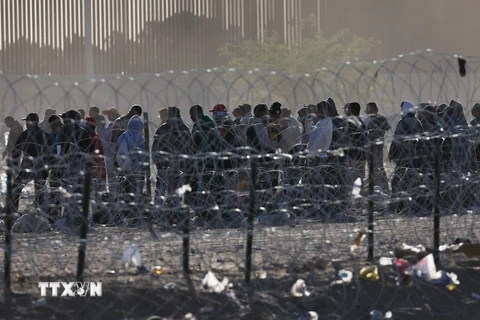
x,y
248,260
8,242
84,227
370,202
436,199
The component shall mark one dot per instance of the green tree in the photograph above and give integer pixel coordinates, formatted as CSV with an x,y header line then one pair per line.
x,y
307,70
303,56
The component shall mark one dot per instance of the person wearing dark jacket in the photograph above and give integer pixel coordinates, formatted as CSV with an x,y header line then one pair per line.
x,y
15,130
404,148
339,136
376,127
31,146
76,145
172,140
356,152
202,124
455,147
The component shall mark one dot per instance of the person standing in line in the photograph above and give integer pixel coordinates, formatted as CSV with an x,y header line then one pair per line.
x,y
376,127
15,130
31,146
202,124
108,149
44,125
131,157
320,139
99,175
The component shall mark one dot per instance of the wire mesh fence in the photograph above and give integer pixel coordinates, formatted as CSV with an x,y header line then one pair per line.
x,y
356,223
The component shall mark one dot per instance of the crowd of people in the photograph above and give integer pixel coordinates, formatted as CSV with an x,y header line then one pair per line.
x,y
55,152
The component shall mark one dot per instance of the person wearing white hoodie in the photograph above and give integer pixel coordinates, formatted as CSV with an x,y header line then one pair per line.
x,y
292,130
321,136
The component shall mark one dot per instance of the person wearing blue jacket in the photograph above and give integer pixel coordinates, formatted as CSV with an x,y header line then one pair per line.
x,y
131,157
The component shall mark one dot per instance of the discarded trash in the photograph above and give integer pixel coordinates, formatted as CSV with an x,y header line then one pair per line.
x,y
299,289
345,277
378,315
42,302
207,309
369,273
476,296
211,283
261,274
357,188
403,268
111,272
406,250
132,254
384,261
170,286
189,316
427,270
158,270
183,189
311,315
361,236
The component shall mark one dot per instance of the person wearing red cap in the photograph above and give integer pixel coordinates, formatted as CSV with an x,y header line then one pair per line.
x,y
99,173
220,113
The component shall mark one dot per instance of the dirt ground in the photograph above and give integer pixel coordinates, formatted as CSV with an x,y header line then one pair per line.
x,y
309,250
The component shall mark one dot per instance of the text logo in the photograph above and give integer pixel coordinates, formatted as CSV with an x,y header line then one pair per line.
x,y
71,289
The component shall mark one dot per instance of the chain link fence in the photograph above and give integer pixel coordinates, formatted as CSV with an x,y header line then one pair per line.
x,y
268,223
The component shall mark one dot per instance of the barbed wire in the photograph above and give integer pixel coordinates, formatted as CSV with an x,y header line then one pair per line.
x,y
336,224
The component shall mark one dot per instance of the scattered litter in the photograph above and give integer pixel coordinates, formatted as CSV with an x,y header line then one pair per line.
x,y
311,315
378,315
158,270
369,273
361,236
404,271
189,316
299,289
42,302
345,277
357,188
211,283
384,261
132,254
406,250
207,309
261,274
183,189
111,272
170,286
476,296
427,270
